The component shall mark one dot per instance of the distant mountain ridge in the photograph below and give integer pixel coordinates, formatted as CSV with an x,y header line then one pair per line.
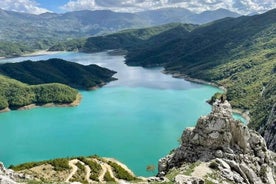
x,y
41,31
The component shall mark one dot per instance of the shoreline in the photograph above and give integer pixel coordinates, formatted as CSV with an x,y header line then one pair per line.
x,y
75,103
41,52
178,75
242,112
35,53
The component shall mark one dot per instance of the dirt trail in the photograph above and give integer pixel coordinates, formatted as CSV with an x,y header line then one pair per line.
x,y
105,168
88,172
72,163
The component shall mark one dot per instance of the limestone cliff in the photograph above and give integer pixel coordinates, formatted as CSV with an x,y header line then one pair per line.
x,y
234,152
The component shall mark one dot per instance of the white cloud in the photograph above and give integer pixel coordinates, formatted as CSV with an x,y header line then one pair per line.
x,y
26,6
240,6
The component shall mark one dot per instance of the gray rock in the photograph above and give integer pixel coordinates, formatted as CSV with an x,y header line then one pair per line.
x,y
219,154
251,175
182,179
241,153
6,175
223,164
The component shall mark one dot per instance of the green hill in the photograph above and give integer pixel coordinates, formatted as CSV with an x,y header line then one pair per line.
x,y
14,94
44,82
58,71
237,53
122,40
8,49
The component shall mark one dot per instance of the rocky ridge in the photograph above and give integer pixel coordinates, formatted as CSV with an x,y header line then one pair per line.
x,y
233,152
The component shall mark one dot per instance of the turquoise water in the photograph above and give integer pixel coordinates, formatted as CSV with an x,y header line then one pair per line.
x,y
137,119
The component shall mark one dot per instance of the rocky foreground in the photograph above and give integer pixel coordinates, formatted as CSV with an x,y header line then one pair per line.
x,y
232,152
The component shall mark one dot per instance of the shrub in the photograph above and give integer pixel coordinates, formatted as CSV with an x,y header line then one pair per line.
x,y
120,172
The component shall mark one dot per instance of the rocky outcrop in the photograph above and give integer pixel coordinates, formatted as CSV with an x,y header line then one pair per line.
x,y
240,154
270,131
8,176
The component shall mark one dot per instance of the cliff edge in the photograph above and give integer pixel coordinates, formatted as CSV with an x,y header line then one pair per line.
x,y
232,152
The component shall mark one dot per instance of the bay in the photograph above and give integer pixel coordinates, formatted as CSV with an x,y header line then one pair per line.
x,y
137,119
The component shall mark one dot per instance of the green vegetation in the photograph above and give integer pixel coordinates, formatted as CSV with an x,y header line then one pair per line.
x,y
70,45
120,172
108,178
124,39
79,176
95,168
130,38
15,94
58,164
62,170
57,71
190,168
26,166
8,49
217,96
172,174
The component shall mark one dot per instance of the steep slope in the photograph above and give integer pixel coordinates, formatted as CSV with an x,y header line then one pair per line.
x,y
58,71
132,38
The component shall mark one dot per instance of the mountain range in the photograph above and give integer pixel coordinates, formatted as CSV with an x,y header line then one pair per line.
x,y
41,31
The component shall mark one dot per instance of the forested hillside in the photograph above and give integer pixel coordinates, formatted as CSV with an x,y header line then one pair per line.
x,y
14,94
58,71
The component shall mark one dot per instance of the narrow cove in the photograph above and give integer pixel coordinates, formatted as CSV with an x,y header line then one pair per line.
x,y
136,119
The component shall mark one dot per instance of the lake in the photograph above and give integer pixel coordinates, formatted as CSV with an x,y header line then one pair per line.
x,y
137,119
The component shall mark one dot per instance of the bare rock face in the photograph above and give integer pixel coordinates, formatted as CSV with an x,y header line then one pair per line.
x,y
240,154
6,175
270,131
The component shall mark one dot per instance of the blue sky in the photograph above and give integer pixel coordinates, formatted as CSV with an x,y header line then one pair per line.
x,y
59,6
52,5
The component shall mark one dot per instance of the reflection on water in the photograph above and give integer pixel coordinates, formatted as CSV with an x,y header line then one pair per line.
x,y
128,76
